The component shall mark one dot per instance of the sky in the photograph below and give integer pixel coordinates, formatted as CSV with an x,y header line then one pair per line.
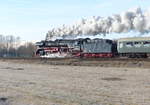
x,y
31,19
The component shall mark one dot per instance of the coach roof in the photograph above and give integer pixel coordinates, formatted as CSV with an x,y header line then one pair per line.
x,y
135,39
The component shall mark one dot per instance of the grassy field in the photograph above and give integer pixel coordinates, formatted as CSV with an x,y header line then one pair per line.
x,y
27,83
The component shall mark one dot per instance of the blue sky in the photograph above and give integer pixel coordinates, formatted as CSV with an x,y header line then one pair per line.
x,y
31,19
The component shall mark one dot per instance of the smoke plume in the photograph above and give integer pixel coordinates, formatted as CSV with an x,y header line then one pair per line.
x,y
131,20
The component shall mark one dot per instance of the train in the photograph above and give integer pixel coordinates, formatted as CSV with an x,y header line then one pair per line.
x,y
133,47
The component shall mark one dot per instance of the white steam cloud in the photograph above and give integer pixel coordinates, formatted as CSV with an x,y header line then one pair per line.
x,y
134,19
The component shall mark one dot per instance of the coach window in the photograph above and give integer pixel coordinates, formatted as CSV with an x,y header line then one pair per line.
x,y
146,44
137,44
129,44
120,45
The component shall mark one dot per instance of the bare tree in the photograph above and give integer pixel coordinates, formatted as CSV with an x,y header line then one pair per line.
x,y
10,47
26,50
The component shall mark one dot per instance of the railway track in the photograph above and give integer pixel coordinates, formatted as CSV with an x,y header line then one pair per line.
x,y
78,59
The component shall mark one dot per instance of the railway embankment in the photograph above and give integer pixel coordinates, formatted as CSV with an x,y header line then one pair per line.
x,y
101,62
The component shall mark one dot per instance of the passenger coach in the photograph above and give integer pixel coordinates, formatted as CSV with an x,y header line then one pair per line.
x,y
134,47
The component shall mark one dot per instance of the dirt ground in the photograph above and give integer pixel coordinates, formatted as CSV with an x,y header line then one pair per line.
x,y
27,83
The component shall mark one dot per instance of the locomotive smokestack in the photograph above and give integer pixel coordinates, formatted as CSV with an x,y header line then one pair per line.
x,y
134,19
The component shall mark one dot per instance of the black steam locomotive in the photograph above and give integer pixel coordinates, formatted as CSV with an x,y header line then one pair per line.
x,y
105,48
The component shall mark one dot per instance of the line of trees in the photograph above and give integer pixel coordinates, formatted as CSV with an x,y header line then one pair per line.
x,y
11,46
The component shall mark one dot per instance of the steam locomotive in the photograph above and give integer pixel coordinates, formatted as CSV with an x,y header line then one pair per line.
x,y
97,48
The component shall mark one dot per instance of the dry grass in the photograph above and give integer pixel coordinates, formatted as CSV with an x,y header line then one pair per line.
x,y
26,83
